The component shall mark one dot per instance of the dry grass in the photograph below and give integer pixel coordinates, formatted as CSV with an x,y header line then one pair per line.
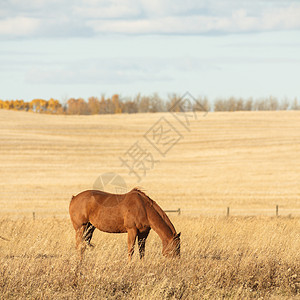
x,y
248,161
236,258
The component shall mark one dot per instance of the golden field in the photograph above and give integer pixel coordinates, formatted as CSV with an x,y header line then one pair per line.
x,y
248,161
231,258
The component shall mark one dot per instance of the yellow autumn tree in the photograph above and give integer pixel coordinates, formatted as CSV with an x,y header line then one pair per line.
x,y
53,106
116,104
77,106
94,105
38,105
18,104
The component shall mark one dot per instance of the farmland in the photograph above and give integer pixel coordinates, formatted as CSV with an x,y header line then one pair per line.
x,y
248,161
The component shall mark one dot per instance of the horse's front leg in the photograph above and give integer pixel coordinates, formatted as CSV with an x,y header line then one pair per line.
x,y
142,236
131,237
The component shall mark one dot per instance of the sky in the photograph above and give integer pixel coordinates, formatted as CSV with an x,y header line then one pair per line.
x,y
210,48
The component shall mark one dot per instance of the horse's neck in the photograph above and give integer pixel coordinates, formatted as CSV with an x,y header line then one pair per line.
x,y
159,225
164,217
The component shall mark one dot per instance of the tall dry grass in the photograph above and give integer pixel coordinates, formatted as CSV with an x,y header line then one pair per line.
x,y
233,258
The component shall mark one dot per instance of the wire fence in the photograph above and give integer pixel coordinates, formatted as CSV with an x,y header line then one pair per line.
x,y
276,211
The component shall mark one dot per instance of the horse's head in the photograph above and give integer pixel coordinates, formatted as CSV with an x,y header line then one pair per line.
x,y
173,248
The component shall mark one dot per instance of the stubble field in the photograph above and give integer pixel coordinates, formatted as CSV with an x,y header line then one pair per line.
x,y
246,161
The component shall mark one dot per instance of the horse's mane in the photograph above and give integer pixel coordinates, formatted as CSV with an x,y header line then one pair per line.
x,y
156,207
138,190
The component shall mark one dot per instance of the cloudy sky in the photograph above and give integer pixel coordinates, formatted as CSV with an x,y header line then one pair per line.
x,y
83,48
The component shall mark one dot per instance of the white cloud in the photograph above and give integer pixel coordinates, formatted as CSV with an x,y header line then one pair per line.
x,y
54,18
18,26
282,18
106,9
237,22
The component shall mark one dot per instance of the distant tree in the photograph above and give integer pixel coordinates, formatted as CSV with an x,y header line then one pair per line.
x,y
38,105
230,104
77,107
110,108
94,105
18,104
248,104
295,105
130,107
137,100
26,106
239,105
173,103
202,104
11,104
102,107
272,103
156,104
144,104
133,105
260,104
6,104
219,105
72,106
284,105
53,106
116,103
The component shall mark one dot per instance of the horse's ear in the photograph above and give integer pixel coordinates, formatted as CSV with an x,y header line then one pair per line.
x,y
178,235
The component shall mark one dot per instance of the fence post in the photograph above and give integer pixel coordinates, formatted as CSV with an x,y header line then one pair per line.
x,y
227,212
179,211
33,216
276,210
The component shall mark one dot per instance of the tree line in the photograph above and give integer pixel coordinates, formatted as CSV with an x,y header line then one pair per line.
x,y
51,106
142,104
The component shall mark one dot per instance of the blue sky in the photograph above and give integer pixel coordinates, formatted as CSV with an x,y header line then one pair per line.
x,y
83,48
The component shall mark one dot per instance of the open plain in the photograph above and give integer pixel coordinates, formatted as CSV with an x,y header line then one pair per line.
x,y
200,163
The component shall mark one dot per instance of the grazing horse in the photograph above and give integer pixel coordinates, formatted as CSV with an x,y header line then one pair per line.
x,y
133,212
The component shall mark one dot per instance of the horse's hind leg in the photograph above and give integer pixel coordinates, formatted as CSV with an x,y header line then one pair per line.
x,y
131,237
88,233
142,236
79,244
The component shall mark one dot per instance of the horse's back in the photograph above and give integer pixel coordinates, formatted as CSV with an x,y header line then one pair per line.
x,y
94,204
109,212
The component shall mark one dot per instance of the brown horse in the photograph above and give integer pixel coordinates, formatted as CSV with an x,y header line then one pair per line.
x,y
133,212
